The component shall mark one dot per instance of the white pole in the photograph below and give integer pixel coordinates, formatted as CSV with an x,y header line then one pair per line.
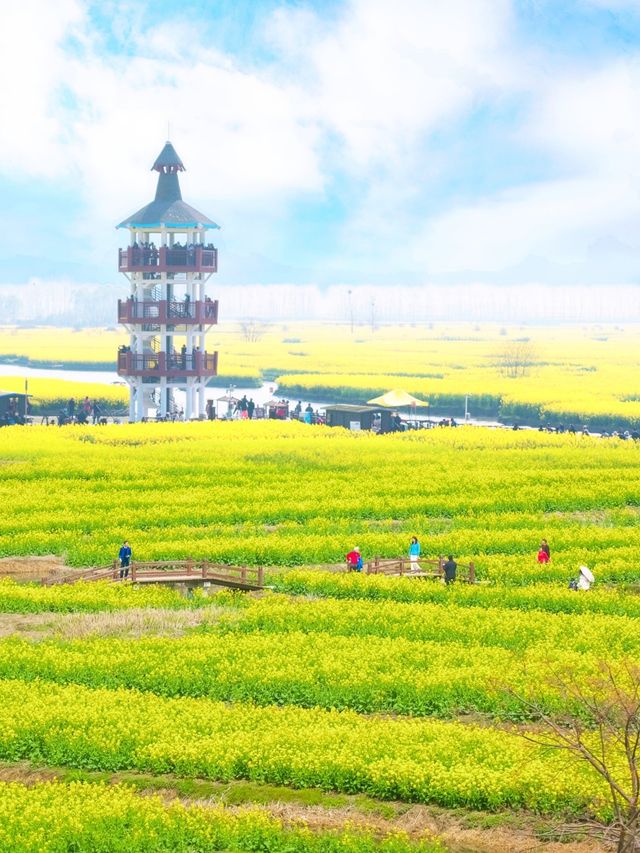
x,y
140,401
188,410
163,396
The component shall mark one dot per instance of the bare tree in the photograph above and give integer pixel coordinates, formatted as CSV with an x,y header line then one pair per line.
x,y
516,358
602,728
251,331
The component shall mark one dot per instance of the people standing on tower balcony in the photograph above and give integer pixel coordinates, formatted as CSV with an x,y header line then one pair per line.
x,y
183,354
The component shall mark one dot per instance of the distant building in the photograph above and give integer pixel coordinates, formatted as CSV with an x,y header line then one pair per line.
x,y
168,262
13,407
359,417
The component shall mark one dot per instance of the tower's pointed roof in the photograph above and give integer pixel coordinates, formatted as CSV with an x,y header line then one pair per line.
x,y
168,158
168,208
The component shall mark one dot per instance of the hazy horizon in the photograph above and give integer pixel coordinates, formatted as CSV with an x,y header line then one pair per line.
x,y
67,304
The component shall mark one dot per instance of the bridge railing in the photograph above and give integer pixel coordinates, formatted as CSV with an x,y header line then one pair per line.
x,y
167,570
195,568
403,566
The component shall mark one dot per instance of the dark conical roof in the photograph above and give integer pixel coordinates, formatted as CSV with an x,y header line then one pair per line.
x,y
168,157
167,208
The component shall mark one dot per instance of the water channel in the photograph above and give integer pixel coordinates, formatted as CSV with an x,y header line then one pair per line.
x,y
260,396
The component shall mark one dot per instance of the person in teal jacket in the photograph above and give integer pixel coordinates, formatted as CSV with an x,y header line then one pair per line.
x,y
414,552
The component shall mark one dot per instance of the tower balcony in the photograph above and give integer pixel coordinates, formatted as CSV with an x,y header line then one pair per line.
x,y
168,313
168,260
172,365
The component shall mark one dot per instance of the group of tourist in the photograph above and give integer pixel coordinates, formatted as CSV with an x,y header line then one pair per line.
x,y
308,415
355,562
624,434
585,575
245,408
81,412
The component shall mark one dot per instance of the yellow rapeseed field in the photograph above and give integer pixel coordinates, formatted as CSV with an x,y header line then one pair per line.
x,y
579,374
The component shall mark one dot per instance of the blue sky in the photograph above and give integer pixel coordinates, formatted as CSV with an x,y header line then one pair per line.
x,y
361,142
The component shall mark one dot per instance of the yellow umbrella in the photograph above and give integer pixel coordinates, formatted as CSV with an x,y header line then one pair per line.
x,y
396,399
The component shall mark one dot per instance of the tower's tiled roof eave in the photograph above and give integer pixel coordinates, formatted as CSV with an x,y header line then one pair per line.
x,y
176,214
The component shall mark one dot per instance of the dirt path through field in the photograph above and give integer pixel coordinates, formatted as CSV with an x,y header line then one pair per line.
x,y
461,832
32,568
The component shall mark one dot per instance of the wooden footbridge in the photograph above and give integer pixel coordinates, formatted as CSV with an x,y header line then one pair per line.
x,y
402,566
186,573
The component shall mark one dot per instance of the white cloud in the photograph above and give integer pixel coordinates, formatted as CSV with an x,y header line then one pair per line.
x,y
590,121
32,68
359,93
561,220
589,125
386,73
241,131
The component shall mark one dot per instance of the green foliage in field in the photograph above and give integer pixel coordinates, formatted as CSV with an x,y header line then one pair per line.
x,y
408,759
551,598
51,817
90,597
388,657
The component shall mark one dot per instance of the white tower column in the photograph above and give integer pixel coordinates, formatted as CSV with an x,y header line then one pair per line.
x,y
188,408
163,397
140,401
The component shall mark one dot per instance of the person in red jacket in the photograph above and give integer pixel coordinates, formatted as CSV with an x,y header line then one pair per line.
x,y
543,556
354,560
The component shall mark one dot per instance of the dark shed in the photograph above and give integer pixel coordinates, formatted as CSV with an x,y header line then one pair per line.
x,y
359,417
13,407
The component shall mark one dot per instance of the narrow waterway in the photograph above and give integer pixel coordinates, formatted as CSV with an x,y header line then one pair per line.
x,y
260,396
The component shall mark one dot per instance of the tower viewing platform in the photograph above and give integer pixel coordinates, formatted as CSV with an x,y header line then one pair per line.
x,y
161,364
168,313
150,259
163,313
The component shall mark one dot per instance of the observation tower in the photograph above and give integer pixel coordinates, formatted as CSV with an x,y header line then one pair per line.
x,y
167,315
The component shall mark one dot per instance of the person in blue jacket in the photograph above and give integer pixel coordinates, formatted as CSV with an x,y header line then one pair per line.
x,y
124,555
414,553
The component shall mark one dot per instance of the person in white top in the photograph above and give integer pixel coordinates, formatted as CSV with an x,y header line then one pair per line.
x,y
585,578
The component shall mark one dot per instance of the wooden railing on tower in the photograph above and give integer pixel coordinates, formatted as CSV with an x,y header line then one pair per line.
x,y
163,364
164,259
169,313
